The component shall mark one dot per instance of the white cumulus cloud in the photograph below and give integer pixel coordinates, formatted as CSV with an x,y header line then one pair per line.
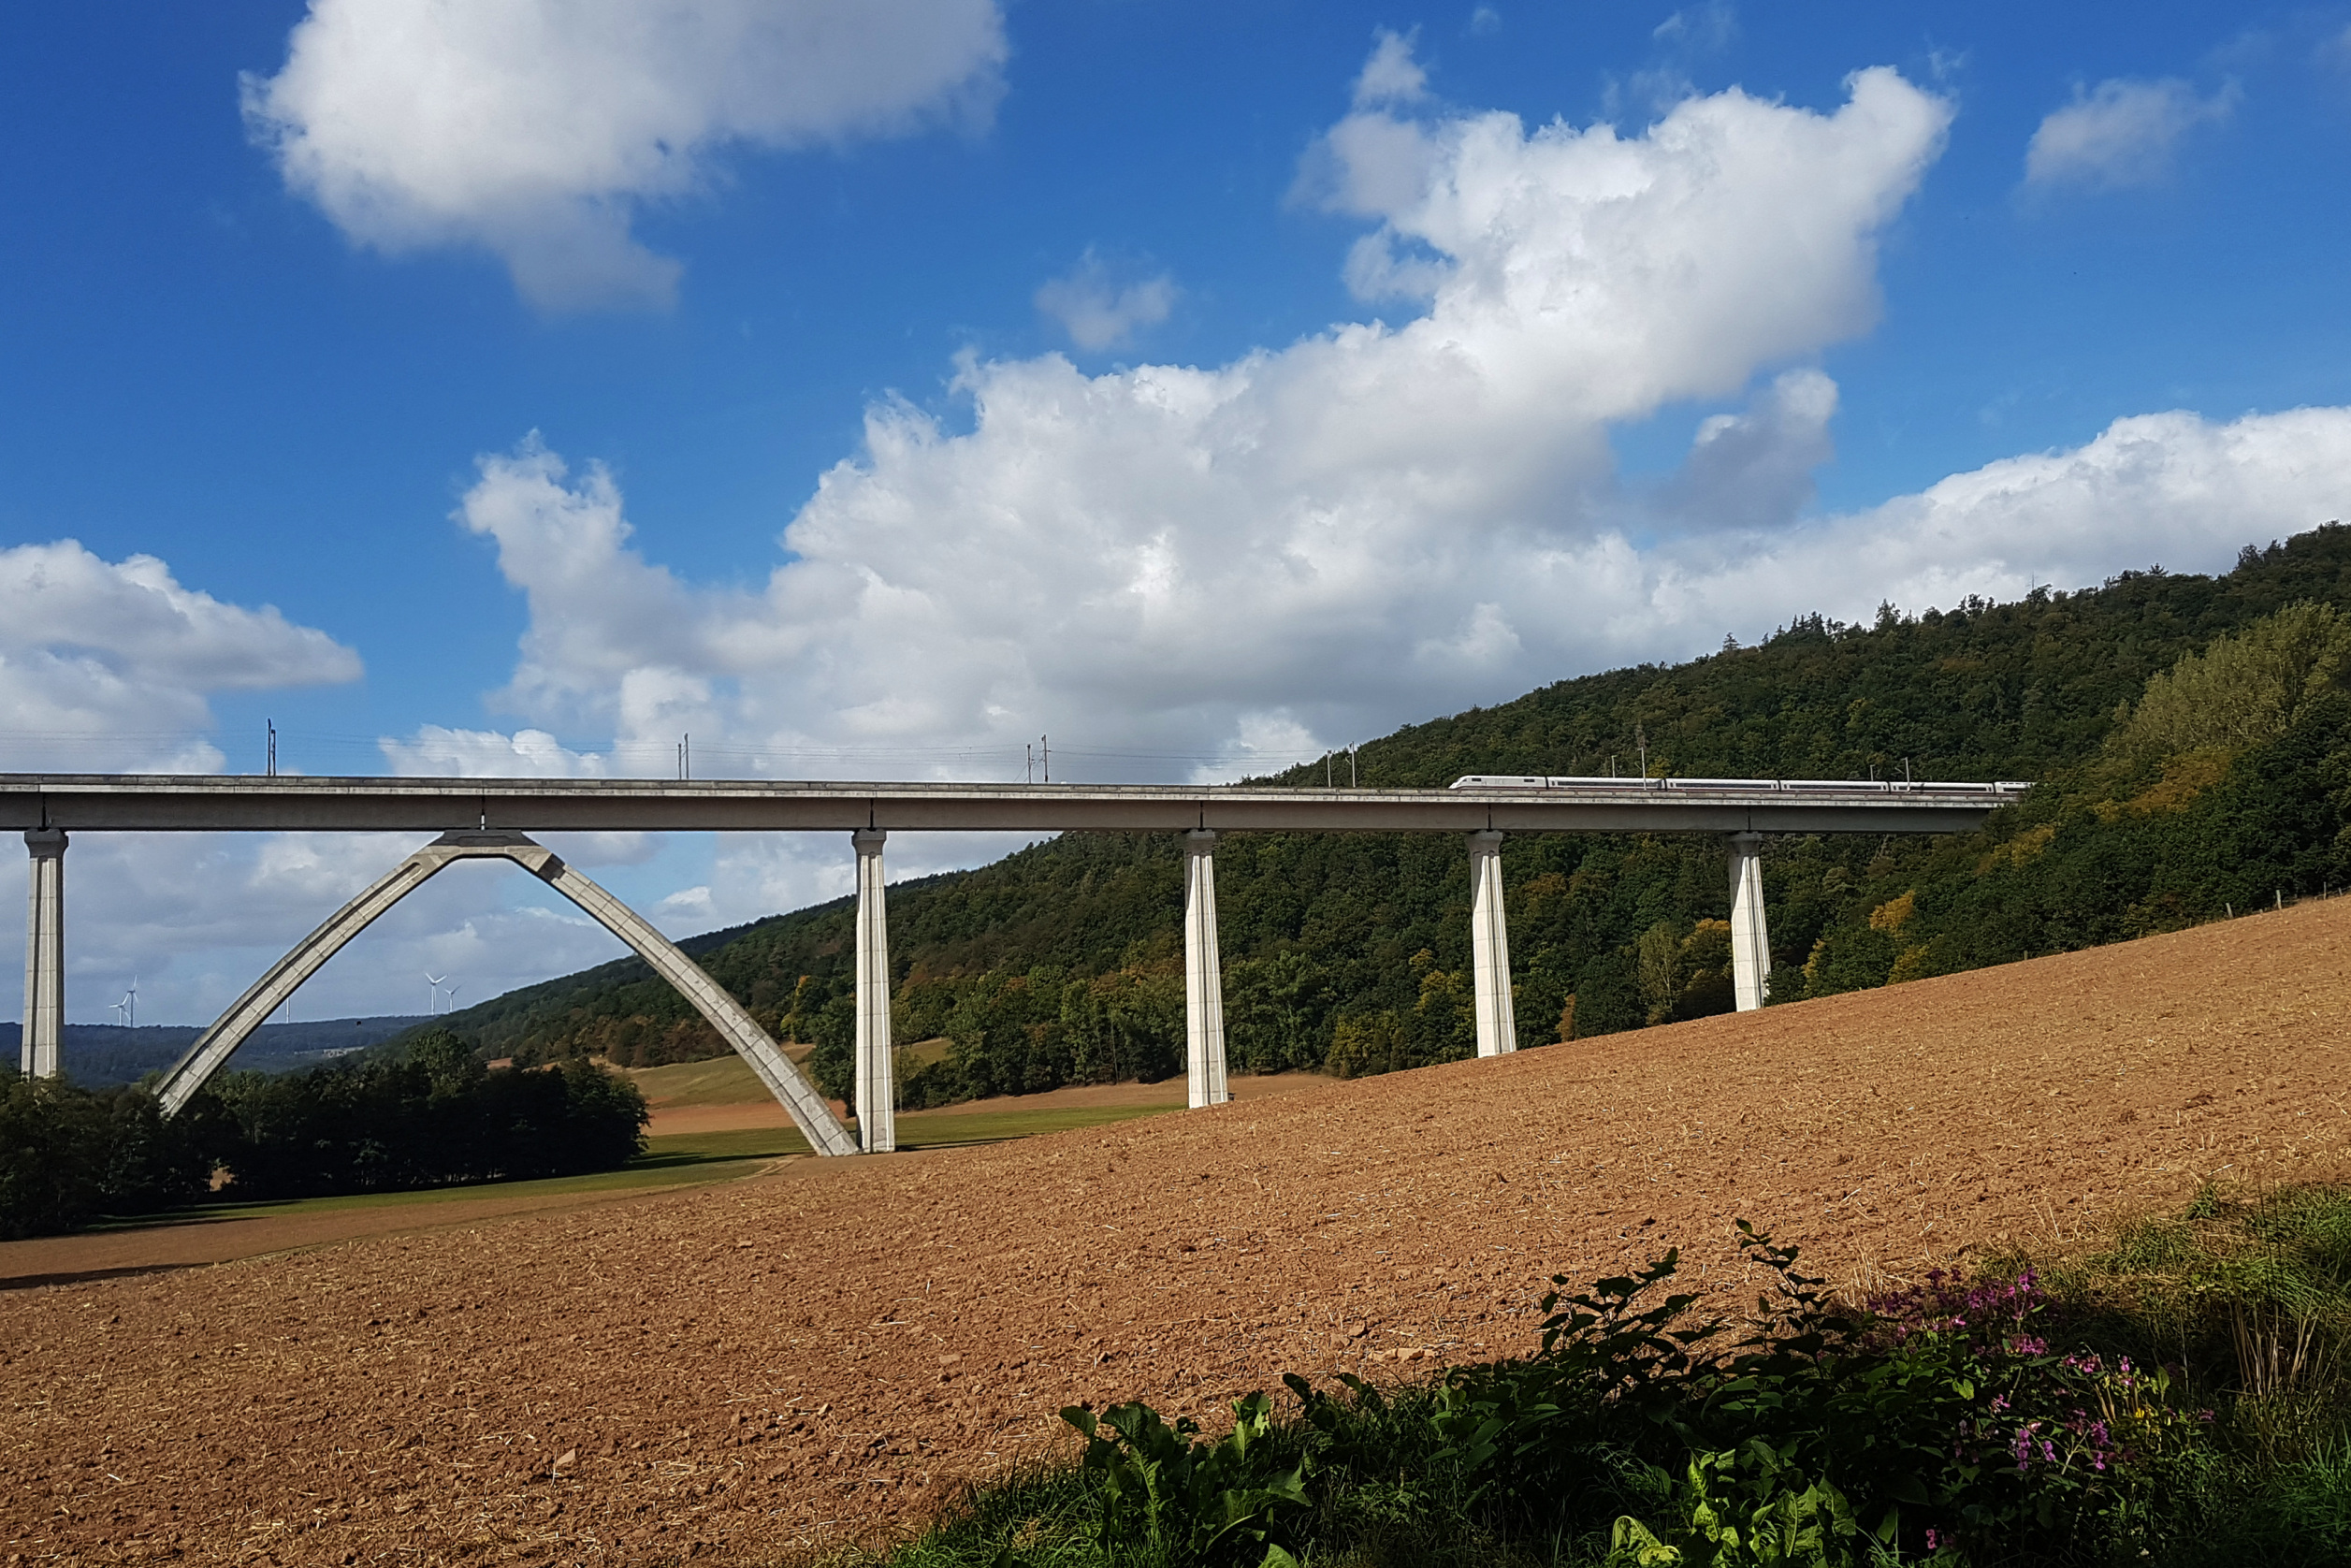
x,y
536,129
110,665
1098,309
1372,524
2121,133
1391,75
1754,469
436,752
2173,489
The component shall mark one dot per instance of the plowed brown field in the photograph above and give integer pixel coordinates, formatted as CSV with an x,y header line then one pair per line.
x,y
734,1371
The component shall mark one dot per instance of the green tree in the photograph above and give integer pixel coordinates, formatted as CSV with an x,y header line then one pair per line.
x,y
1276,1012
1656,962
833,1062
2244,689
69,1154
53,1156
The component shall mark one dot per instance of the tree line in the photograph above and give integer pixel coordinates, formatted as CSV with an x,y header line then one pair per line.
x,y
433,1114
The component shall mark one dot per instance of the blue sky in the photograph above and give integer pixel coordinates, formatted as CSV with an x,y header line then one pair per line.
x,y
449,422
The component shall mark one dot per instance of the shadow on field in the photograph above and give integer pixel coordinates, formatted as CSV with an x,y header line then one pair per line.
x,y
86,1276
223,1232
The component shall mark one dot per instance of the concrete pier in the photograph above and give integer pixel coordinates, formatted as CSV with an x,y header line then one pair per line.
x,y
1204,975
1490,947
876,1088
1750,941
44,954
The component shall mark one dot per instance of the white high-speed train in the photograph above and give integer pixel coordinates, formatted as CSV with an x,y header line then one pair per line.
x,y
1744,786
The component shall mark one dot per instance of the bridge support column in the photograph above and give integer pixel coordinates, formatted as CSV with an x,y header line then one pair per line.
x,y
1490,947
1204,975
44,1028
1750,941
877,1089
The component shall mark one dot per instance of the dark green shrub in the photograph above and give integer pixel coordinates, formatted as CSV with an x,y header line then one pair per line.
x,y
1166,1492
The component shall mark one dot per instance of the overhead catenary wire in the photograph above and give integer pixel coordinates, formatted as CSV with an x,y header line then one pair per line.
x,y
326,752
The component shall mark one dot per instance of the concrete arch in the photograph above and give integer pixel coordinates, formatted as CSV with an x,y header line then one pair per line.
x,y
799,1098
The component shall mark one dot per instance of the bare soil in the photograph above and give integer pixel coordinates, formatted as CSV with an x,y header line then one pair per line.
x,y
756,1108
743,1371
229,1235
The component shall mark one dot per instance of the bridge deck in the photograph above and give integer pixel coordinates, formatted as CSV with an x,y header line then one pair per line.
x,y
87,803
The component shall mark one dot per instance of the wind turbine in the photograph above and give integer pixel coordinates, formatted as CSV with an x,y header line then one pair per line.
x,y
432,992
126,1011
452,992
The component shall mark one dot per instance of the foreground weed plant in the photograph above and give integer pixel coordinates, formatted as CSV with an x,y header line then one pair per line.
x,y
2124,1409
1167,1494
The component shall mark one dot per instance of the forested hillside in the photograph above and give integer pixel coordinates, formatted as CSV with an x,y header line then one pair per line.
x,y
1062,962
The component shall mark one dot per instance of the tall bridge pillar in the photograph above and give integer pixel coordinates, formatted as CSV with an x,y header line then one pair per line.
x,y
44,954
877,1089
1751,942
1204,975
1490,947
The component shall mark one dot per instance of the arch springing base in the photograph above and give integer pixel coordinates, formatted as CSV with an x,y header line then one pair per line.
x,y
799,1098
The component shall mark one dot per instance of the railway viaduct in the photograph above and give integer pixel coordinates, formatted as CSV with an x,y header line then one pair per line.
x,y
493,818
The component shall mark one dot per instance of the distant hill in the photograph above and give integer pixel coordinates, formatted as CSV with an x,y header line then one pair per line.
x,y
95,1054
1061,963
